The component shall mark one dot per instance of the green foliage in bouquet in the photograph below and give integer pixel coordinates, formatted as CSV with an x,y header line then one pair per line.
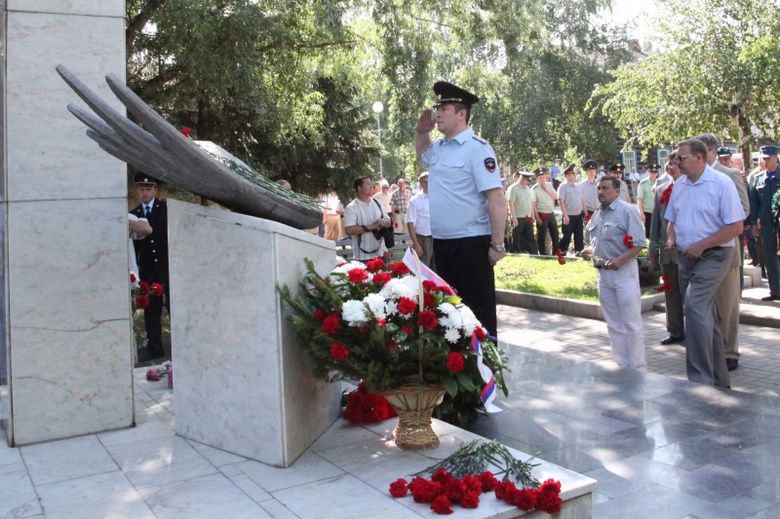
x,y
382,325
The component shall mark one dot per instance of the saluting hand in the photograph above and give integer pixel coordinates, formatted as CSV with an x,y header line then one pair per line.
x,y
426,123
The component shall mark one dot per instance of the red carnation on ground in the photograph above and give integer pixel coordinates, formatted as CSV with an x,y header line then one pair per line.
x,y
429,285
428,320
141,302
525,499
441,505
157,289
381,278
357,275
399,269
441,476
399,488
375,265
338,352
143,287
628,240
561,260
331,324
455,362
406,306
470,500
548,497
488,480
424,491
186,131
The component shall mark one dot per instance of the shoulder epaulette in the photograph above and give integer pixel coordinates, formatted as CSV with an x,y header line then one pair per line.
x,y
480,139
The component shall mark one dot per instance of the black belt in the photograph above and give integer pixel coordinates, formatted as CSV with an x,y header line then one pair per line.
x,y
711,249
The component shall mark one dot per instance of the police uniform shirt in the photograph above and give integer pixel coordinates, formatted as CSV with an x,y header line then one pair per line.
x,y
571,196
645,193
590,193
543,199
520,197
459,170
609,227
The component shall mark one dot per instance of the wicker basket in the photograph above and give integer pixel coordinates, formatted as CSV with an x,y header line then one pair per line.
x,y
415,406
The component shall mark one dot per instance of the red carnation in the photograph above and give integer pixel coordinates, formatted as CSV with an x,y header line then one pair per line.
x,y
455,362
628,240
186,131
473,484
529,219
399,488
381,278
561,260
666,195
357,275
447,290
406,306
141,302
157,289
428,319
399,269
548,497
424,491
391,344
525,499
408,331
382,322
363,329
143,287
428,300
320,314
488,480
331,324
454,489
133,278
338,352
375,265
441,505
587,217
429,285
470,500
480,332
441,476
559,253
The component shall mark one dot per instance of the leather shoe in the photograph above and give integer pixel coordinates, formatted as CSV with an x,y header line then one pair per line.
x,y
771,297
732,364
672,340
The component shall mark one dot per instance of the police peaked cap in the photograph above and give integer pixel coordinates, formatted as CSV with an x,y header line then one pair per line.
x,y
768,151
723,151
143,180
588,164
541,170
449,93
569,169
617,166
655,168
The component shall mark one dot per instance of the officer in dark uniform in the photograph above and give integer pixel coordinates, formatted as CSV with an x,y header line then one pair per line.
x,y
152,256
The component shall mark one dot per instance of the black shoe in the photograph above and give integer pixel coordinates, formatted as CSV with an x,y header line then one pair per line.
x,y
672,340
732,364
771,297
151,355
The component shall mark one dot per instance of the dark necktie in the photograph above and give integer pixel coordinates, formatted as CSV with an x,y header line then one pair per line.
x,y
147,211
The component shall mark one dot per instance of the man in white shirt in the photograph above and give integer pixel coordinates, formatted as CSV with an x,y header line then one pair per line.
x,y
705,215
418,223
364,219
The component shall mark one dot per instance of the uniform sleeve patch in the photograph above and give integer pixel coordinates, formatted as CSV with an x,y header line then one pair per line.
x,y
490,164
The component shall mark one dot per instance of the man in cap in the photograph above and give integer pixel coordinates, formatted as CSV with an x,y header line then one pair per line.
x,y
616,239
589,186
705,215
544,196
675,321
400,203
522,212
645,196
616,170
724,156
468,211
573,210
152,257
762,187
418,223
728,296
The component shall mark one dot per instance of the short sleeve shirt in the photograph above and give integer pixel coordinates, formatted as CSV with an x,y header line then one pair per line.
x,y
364,246
645,193
571,196
609,227
520,198
702,208
590,193
419,214
542,198
460,170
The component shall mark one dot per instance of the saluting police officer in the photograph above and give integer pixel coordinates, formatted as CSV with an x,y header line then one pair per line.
x,y
468,212
152,256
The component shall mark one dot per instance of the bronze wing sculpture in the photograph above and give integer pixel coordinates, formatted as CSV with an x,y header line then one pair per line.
x,y
165,153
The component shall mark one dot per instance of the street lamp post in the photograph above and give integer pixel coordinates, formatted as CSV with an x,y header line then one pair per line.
x,y
377,107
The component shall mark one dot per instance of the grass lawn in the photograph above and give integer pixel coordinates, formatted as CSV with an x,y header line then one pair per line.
x,y
536,275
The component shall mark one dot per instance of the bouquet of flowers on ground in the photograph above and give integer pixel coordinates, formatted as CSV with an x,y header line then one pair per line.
x,y
383,325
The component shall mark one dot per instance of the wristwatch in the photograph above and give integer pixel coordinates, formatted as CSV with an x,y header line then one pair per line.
x,y
497,247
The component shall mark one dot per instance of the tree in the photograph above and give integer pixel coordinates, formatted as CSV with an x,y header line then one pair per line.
x,y
714,73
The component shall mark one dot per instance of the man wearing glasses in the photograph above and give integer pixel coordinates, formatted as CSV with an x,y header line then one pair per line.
x,y
705,215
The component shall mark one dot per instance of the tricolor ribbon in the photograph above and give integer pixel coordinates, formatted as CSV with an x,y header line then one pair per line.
x,y
489,391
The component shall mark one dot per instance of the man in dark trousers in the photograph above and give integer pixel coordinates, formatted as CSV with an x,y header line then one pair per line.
x,y
152,256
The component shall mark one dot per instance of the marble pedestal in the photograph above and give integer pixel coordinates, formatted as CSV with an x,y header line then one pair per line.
x,y
242,382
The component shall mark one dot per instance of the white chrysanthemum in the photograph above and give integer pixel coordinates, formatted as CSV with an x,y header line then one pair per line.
x,y
391,307
470,321
397,288
344,269
376,305
354,312
451,318
452,335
